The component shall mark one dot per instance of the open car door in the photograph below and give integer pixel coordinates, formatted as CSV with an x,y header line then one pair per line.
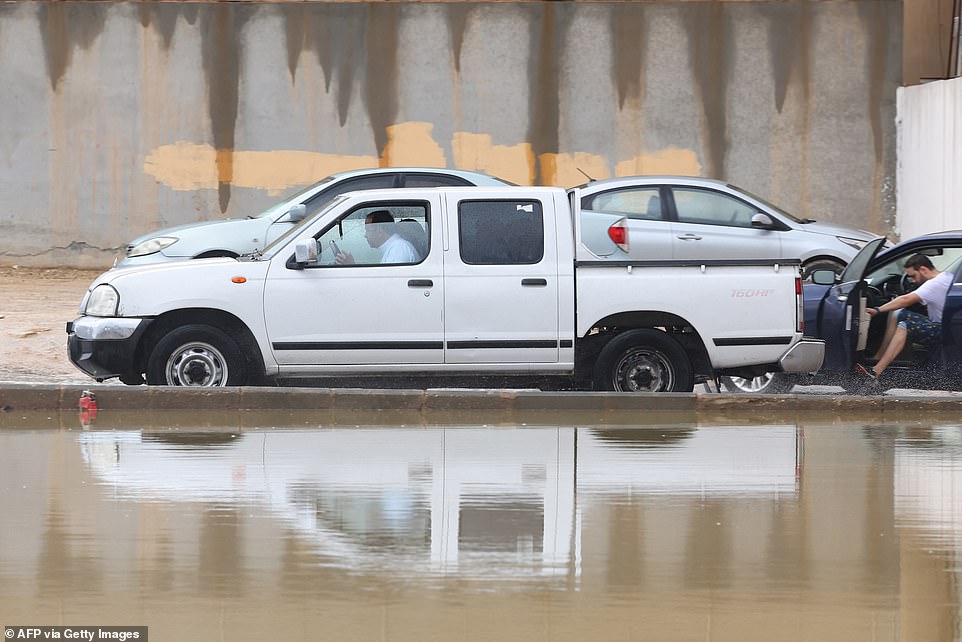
x,y
844,307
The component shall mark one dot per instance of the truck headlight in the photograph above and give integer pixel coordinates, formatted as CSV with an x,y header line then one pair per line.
x,y
150,246
103,301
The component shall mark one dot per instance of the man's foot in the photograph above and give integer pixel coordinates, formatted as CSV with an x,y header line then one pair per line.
x,y
866,371
868,361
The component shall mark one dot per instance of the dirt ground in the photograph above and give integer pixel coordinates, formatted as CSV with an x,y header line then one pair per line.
x,y
35,305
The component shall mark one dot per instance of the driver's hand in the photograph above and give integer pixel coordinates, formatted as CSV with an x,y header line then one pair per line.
x,y
872,311
344,258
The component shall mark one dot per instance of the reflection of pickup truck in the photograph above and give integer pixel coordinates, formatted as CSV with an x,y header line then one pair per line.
x,y
456,281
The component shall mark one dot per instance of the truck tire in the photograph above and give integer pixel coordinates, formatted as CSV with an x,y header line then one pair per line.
x,y
196,355
643,361
768,383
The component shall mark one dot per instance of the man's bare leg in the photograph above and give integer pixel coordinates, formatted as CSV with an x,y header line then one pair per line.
x,y
894,349
890,324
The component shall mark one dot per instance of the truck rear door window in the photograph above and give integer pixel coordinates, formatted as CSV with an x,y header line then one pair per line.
x,y
501,232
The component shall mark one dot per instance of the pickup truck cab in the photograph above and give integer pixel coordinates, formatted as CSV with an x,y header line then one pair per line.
x,y
475,281
835,309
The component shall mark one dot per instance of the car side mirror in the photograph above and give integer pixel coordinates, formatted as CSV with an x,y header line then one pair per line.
x,y
763,221
305,252
297,213
824,277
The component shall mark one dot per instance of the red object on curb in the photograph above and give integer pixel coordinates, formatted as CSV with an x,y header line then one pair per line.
x,y
88,401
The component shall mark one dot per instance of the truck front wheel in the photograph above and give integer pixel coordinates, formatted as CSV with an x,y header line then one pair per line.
x,y
643,361
196,355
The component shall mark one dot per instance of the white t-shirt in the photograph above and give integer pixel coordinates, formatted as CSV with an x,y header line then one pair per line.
x,y
933,292
398,250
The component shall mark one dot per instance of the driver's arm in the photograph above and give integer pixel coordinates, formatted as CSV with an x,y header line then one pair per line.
x,y
899,302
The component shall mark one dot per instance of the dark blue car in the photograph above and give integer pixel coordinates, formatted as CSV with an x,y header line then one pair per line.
x,y
835,311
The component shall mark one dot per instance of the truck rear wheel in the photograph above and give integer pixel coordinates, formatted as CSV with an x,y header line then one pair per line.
x,y
768,383
196,355
643,361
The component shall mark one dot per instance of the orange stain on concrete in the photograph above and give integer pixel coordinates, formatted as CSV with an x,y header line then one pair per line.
x,y
671,160
563,169
186,166
475,152
412,145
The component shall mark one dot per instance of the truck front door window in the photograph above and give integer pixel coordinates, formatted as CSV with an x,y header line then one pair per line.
x,y
394,234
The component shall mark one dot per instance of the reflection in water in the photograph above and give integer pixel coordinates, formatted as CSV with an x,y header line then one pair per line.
x,y
472,533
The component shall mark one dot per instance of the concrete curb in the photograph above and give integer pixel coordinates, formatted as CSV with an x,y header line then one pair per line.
x,y
328,406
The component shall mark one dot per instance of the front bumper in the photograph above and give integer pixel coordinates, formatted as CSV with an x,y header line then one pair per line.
x,y
805,356
105,347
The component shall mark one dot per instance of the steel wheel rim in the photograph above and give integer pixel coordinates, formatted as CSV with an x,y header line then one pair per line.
x,y
196,364
643,370
755,384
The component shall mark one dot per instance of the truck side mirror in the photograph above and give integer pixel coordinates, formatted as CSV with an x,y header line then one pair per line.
x,y
763,221
305,252
297,213
824,277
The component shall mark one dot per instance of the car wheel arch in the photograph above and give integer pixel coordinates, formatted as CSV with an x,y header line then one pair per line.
x,y
168,321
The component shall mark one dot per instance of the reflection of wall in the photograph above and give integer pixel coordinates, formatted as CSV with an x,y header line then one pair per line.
x,y
134,116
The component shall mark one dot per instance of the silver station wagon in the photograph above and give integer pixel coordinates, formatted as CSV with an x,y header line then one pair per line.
x,y
234,237
679,217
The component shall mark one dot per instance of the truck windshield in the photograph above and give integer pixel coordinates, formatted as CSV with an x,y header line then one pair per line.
x,y
274,246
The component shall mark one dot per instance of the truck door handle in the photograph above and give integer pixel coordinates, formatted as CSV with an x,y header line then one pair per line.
x,y
690,237
534,282
420,283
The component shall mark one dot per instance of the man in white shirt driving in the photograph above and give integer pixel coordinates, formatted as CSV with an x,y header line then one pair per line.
x,y
381,233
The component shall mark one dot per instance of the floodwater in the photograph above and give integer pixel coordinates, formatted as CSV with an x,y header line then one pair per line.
x,y
674,532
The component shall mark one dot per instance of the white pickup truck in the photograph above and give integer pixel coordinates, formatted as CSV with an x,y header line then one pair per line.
x,y
443,282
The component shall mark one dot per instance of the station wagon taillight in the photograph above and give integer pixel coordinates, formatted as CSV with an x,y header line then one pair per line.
x,y
618,232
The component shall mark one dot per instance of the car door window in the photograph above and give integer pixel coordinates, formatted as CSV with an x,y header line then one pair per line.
x,y
641,203
434,180
501,232
402,240
707,207
322,198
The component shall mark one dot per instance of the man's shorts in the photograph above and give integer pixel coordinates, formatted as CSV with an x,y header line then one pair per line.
x,y
919,327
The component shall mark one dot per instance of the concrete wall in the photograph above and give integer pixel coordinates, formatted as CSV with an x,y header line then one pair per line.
x,y
117,119
930,165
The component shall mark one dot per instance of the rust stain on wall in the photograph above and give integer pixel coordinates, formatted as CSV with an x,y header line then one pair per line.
x,y
63,28
709,45
295,35
629,34
381,70
457,16
162,17
549,31
875,21
221,25
790,47
332,34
